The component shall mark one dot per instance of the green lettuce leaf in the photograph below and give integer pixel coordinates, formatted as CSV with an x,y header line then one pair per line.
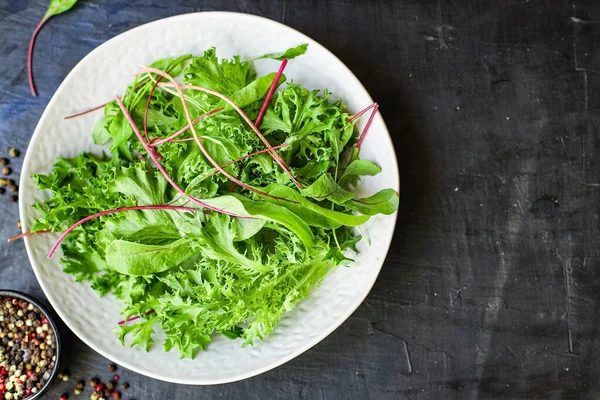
x,y
289,53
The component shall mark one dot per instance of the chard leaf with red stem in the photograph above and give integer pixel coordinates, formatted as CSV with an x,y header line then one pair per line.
x,y
56,7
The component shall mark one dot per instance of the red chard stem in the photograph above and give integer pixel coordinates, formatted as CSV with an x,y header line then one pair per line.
x,y
162,170
185,128
190,122
366,128
136,317
361,112
116,210
86,111
272,152
30,55
263,109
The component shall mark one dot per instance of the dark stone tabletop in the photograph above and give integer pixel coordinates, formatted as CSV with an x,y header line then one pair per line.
x,y
492,285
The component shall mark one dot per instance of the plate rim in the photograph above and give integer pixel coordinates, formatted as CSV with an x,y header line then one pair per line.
x,y
124,362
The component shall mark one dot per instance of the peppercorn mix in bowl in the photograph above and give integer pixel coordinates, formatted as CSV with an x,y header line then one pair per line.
x,y
29,347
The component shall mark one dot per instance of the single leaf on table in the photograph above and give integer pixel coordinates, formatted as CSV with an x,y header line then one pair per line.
x,y
56,7
288,54
383,202
359,168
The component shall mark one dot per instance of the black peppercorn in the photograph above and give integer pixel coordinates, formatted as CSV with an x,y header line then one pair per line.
x,y
13,197
112,367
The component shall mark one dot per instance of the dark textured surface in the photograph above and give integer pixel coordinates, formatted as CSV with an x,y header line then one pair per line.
x,y
491,288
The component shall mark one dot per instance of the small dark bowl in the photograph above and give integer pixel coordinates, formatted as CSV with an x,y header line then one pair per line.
x,y
50,318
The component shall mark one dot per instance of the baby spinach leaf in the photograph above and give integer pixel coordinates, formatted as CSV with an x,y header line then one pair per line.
x,y
132,258
311,213
326,188
383,202
254,91
358,168
58,7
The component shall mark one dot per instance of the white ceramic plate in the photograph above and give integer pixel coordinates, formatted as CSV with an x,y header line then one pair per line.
x,y
104,73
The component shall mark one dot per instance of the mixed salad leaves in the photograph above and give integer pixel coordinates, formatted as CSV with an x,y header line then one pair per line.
x,y
222,201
